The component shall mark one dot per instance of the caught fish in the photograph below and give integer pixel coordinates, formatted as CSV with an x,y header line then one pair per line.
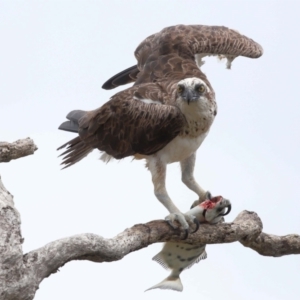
x,y
178,256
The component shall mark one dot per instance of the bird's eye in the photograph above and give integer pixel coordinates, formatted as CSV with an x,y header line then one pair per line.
x,y
200,88
179,88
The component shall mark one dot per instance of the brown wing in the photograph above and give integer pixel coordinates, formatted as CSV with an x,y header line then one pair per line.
x,y
166,52
125,126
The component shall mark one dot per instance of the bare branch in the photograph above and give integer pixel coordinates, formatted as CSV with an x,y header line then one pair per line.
x,y
246,229
273,245
19,148
20,275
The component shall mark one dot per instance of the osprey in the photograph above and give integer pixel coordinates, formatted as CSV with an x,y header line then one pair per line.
x,y
167,113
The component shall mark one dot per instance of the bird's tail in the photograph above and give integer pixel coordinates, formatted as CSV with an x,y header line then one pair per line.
x,y
76,148
73,124
170,283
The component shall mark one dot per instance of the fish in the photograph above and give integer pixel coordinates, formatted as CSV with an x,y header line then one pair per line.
x,y
178,256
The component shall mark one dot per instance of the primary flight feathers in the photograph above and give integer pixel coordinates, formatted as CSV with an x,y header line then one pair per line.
x,y
161,55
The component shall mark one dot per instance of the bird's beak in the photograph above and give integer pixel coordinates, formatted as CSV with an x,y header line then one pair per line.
x,y
188,95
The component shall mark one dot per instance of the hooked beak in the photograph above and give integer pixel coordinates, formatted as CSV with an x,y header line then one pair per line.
x,y
226,212
189,95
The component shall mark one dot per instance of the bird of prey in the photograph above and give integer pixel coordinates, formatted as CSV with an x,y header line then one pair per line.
x,y
167,113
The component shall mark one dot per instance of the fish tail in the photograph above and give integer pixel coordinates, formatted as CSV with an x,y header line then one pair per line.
x,y
170,283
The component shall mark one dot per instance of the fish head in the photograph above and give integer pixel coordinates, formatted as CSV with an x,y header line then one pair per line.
x,y
211,210
215,209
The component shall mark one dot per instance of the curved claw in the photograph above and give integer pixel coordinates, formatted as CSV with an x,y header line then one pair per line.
x,y
208,195
186,233
226,212
196,221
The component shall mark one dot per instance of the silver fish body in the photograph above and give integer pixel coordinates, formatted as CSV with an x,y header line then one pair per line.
x,y
178,256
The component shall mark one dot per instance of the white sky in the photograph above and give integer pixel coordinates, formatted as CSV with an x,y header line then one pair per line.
x,y
54,57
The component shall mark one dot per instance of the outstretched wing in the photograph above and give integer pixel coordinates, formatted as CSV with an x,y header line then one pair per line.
x,y
176,52
133,121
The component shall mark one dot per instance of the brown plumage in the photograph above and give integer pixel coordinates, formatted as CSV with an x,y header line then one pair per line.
x,y
170,53
125,125
165,116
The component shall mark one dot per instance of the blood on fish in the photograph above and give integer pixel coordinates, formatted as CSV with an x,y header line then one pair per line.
x,y
211,203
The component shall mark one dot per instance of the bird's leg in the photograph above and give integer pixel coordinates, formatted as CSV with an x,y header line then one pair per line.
x,y
158,171
187,177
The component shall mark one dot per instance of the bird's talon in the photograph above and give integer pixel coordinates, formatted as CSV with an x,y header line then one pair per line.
x,y
208,196
196,221
227,211
186,233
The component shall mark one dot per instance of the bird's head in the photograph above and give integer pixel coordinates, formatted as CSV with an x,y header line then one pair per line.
x,y
191,90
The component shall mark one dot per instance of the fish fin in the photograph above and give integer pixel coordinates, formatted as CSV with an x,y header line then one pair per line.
x,y
203,255
159,258
170,283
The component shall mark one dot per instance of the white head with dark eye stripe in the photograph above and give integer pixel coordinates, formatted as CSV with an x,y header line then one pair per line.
x,y
192,90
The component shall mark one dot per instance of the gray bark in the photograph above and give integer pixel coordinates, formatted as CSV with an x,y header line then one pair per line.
x,y
19,148
21,274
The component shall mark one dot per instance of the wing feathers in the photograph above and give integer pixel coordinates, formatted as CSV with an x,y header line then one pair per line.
x,y
124,77
124,126
76,150
161,55
187,40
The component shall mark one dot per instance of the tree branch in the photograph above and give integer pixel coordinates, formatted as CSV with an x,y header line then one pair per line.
x,y
98,249
20,275
19,148
246,229
273,245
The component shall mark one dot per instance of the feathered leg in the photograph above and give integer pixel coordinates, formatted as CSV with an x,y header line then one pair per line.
x,y
158,171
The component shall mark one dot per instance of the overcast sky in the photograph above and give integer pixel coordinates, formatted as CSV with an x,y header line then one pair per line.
x,y
54,57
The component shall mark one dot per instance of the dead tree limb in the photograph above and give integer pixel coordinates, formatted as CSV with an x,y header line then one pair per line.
x,y
21,274
17,149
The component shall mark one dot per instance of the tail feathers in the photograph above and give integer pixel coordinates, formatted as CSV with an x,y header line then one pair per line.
x,y
75,115
170,283
73,124
124,77
76,151
69,126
